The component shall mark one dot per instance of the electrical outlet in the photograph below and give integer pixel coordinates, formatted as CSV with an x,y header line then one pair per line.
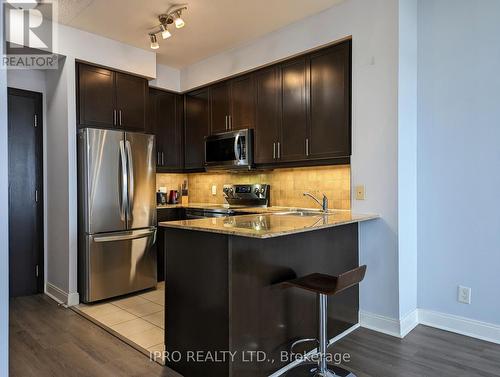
x,y
360,192
464,294
214,190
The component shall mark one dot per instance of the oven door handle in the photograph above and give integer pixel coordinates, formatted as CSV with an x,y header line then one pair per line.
x,y
237,153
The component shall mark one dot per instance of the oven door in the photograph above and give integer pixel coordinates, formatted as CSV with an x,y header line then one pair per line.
x,y
229,150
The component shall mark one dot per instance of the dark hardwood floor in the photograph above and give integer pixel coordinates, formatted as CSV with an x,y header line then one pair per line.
x,y
48,340
425,352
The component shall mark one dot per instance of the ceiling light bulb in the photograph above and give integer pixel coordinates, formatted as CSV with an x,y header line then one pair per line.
x,y
154,42
179,22
164,32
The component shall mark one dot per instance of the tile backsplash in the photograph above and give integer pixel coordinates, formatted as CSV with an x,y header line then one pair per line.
x,y
287,185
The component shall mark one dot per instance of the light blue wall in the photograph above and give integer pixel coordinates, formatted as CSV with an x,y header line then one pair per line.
x,y
407,157
459,156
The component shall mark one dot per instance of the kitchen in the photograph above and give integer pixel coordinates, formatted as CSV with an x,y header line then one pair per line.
x,y
219,199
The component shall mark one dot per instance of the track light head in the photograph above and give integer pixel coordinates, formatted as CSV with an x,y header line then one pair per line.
x,y
154,42
179,22
164,31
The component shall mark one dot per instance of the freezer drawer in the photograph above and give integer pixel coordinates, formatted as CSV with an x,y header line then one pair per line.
x,y
118,263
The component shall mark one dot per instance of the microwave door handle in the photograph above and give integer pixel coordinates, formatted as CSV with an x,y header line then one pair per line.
x,y
237,147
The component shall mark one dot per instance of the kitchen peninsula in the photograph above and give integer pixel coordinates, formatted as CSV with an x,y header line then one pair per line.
x,y
229,298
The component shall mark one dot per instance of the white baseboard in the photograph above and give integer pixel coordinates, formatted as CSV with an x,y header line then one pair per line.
x,y
60,296
380,323
460,325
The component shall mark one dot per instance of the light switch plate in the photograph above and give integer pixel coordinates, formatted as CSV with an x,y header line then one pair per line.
x,y
214,190
360,192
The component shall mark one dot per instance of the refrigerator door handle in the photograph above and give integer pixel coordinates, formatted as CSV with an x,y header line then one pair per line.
x,y
125,237
123,181
130,165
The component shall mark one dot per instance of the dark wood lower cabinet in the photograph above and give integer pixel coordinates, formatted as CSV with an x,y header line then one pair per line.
x,y
165,214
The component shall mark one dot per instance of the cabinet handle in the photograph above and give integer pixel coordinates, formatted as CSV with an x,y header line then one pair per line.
x,y
120,116
274,151
230,122
279,149
225,119
158,160
307,146
114,117
162,159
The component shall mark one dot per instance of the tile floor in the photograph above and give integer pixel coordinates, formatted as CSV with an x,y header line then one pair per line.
x,y
137,319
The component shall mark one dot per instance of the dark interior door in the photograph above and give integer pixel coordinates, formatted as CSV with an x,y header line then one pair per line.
x,y
294,126
25,192
195,130
131,101
219,105
96,97
268,116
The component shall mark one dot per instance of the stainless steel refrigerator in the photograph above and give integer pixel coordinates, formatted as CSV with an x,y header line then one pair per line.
x,y
117,213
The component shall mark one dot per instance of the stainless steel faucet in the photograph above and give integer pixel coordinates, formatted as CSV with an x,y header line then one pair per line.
x,y
324,204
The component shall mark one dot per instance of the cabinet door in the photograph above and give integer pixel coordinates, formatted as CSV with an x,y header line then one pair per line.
x,y
131,101
330,126
219,107
268,116
195,129
167,129
96,97
294,116
242,103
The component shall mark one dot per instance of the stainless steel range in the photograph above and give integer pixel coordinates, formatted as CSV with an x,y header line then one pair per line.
x,y
237,197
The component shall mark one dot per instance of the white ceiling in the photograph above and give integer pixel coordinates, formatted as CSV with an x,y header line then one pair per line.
x,y
212,26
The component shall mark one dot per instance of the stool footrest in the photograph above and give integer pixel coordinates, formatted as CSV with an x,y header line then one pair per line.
x,y
300,341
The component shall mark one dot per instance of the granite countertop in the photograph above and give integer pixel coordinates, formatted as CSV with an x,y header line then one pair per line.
x,y
268,225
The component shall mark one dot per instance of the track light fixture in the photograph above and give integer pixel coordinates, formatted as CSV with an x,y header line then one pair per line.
x,y
172,16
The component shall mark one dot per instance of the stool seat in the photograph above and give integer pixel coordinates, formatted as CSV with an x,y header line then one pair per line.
x,y
329,285
324,285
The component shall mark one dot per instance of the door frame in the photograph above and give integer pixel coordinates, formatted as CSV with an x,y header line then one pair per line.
x,y
38,97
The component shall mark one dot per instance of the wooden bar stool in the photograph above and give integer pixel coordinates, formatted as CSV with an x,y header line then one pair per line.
x,y
324,286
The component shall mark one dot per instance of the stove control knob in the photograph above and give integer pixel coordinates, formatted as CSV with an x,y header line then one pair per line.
x,y
256,190
262,190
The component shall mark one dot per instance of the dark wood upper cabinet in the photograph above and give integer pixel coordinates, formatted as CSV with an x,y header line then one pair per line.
x,y
197,126
219,107
131,101
300,109
242,103
166,123
294,110
330,103
232,105
267,114
110,99
96,96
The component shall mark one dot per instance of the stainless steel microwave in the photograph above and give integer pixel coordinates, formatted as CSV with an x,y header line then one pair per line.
x,y
229,150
